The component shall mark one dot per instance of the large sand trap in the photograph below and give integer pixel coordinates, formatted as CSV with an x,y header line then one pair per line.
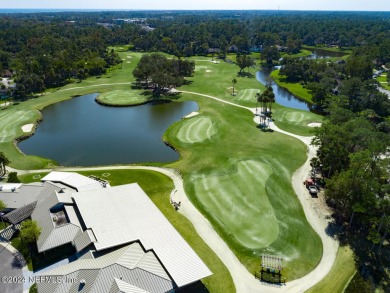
x,y
314,124
208,70
27,127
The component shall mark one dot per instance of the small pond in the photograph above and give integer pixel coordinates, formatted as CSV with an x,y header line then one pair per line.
x,y
80,132
284,97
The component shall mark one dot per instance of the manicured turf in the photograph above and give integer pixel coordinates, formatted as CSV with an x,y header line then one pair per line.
x,y
238,199
295,88
340,275
295,121
302,53
215,79
122,98
196,129
247,95
12,121
241,176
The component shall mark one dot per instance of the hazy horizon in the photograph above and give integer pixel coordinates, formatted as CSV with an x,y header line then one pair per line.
x,y
299,5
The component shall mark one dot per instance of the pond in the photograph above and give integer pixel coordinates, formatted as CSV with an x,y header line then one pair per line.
x,y
80,132
320,54
282,96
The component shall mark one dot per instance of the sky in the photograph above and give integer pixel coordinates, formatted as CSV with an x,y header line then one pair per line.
x,y
355,5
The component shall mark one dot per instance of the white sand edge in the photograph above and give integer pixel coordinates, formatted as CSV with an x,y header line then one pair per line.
x,y
192,114
314,124
27,127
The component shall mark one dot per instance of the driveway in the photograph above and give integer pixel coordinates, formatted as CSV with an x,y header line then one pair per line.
x,y
11,276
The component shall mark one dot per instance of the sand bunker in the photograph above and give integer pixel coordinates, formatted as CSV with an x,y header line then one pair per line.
x,y
27,127
314,124
208,70
192,114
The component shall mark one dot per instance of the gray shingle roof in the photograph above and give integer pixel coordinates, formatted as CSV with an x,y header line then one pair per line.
x,y
84,239
51,235
26,194
124,214
129,265
20,214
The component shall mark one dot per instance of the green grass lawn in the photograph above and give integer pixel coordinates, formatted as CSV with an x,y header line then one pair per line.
x,y
215,79
347,51
302,53
123,98
241,180
295,88
340,275
295,121
197,129
383,81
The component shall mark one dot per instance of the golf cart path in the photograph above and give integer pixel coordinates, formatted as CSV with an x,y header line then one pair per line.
x,y
244,281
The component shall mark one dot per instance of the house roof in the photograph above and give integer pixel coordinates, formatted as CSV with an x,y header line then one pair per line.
x,y
124,214
53,235
25,194
75,180
20,214
128,268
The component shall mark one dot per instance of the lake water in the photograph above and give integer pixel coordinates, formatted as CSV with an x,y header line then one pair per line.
x,y
284,97
80,132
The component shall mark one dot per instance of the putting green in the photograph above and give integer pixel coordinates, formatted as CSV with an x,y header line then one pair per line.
x,y
248,95
196,129
295,121
12,121
122,98
239,202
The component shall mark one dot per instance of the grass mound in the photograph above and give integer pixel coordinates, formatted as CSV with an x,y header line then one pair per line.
x,y
12,121
248,95
240,203
122,98
196,130
295,121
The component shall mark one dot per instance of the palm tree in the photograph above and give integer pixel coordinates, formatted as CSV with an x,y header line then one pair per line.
x,y
271,97
3,161
234,81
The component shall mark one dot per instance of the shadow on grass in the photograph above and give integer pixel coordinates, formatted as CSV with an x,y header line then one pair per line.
x,y
197,287
245,74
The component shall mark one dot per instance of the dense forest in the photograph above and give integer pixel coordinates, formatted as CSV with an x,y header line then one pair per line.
x,y
49,49
45,50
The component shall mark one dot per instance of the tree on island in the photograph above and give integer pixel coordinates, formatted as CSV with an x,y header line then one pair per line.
x,y
160,73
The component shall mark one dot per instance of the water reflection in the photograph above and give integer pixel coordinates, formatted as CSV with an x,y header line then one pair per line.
x,y
80,132
282,96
